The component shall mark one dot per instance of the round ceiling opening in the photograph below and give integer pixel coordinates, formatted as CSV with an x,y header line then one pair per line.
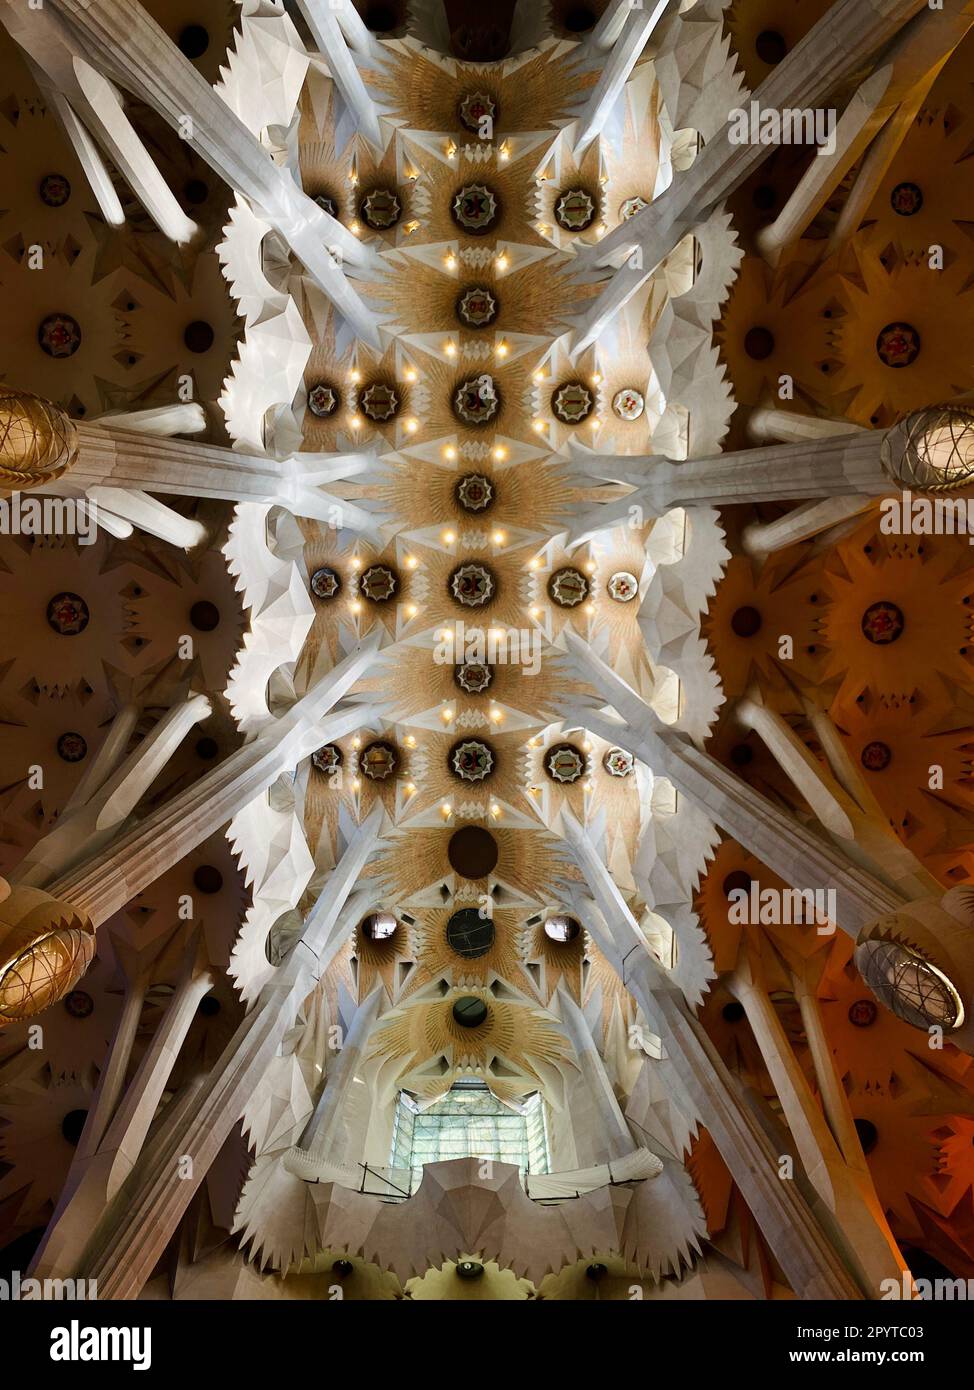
x,y
472,852
470,933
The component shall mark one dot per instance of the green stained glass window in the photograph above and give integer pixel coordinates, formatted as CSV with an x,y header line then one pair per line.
x,y
470,1122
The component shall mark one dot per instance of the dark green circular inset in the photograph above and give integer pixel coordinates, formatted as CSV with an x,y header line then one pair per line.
x,y
470,934
470,1011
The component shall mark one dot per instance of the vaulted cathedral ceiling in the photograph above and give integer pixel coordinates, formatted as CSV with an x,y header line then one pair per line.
x,y
487,706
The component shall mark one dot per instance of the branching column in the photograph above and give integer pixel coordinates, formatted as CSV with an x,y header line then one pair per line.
x,y
839,45
125,42
137,1226
103,885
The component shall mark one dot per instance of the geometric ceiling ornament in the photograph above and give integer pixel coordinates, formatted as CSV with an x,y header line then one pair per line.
x,y
72,747
623,587
472,585
378,760
59,335
476,401
474,492
478,112
54,190
883,623
325,582
474,207
898,345
470,933
564,763
473,676
876,756
379,402
68,614
618,762
575,210
322,400
327,204
572,402
568,587
473,852
328,759
906,199
631,206
378,583
381,209
470,1011
477,306
628,403
561,928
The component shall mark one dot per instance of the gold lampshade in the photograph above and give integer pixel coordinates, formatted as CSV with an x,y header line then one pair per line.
x,y
45,947
38,441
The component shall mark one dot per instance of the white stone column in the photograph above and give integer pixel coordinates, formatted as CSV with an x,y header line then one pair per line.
x,y
622,56
859,1227
116,465
879,116
150,515
823,795
836,47
324,23
88,105
810,1264
126,43
115,1132
771,425
100,805
870,107
608,29
804,859
104,883
123,1249
354,28
324,1137
832,466
613,1139
761,538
